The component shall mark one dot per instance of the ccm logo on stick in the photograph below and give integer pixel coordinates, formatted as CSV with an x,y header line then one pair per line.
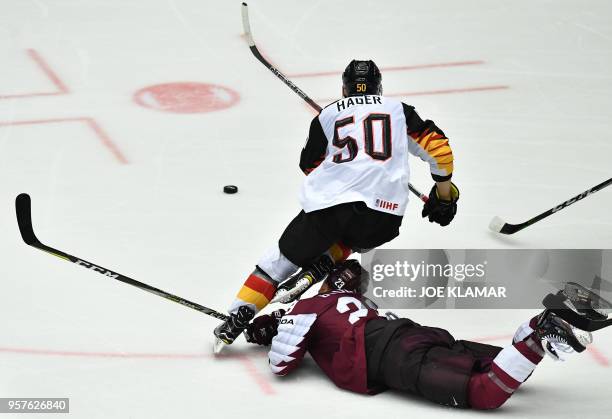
x,y
97,268
571,201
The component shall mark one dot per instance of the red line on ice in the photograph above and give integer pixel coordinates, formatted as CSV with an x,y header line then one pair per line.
x,y
598,356
61,87
133,355
59,84
396,68
90,122
26,95
141,355
447,91
108,143
248,364
261,380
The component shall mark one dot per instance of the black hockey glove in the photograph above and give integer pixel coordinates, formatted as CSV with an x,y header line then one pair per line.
x,y
264,328
438,210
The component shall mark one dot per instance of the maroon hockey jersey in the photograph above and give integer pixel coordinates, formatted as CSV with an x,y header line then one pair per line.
x,y
331,327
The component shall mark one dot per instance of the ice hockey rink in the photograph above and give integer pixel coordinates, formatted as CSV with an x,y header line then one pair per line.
x,y
124,119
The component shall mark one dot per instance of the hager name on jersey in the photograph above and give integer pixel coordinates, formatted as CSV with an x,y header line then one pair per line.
x,y
357,100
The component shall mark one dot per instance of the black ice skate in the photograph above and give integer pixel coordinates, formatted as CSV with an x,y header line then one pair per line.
x,y
570,317
580,307
292,288
558,336
229,330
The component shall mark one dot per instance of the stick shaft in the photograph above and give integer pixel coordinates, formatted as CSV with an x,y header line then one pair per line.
x,y
247,30
415,191
513,228
570,201
580,196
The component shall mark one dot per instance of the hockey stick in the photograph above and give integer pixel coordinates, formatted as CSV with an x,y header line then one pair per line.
x,y
23,207
500,226
418,193
249,36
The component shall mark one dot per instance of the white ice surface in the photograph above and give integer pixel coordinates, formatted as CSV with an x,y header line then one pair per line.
x,y
162,218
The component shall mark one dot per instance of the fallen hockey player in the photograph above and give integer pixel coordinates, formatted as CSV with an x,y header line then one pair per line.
x,y
363,352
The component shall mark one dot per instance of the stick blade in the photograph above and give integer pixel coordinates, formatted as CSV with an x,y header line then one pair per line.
x,y
23,209
496,224
246,26
500,226
218,346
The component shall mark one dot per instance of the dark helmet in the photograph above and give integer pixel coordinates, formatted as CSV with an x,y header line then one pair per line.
x,y
362,78
348,275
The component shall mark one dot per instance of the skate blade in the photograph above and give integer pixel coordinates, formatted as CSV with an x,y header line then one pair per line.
x,y
292,294
218,346
287,297
557,351
585,338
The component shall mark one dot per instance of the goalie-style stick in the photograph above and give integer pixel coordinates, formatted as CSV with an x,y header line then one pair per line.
x,y
500,226
249,36
23,208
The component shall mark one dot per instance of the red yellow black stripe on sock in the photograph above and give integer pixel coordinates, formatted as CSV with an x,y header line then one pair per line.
x,y
256,291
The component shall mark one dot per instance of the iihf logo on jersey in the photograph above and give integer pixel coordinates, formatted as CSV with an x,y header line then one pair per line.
x,y
388,205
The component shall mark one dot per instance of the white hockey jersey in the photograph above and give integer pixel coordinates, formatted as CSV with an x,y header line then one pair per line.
x,y
357,150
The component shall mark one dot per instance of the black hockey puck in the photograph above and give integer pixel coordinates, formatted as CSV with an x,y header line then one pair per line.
x,y
230,189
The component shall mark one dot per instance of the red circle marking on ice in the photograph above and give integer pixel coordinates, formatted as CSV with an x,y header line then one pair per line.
x,y
186,97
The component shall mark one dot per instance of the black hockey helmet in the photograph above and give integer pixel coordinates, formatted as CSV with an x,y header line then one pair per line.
x,y
362,78
348,275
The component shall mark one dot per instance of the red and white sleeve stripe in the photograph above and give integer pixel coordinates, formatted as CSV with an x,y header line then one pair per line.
x,y
290,344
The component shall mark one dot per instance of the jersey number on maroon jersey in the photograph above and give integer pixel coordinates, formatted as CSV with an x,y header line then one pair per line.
x,y
358,310
368,138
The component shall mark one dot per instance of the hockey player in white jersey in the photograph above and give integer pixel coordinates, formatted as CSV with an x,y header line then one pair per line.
x,y
355,192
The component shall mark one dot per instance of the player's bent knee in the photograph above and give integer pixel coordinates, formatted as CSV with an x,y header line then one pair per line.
x,y
276,265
